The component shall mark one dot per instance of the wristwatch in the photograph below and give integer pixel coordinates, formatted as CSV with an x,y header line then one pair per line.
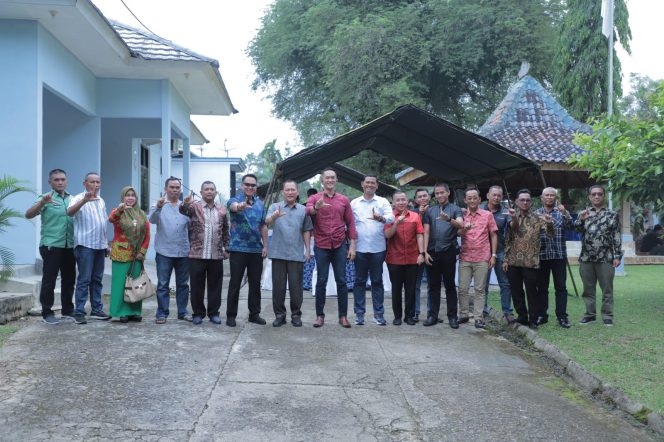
x,y
493,255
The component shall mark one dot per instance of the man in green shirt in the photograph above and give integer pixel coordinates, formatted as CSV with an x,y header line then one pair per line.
x,y
56,246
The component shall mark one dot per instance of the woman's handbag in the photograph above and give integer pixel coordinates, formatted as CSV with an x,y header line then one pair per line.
x,y
139,288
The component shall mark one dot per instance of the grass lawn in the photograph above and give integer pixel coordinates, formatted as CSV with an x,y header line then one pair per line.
x,y
629,355
5,331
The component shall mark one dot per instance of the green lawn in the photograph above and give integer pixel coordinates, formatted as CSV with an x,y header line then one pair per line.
x,y
5,331
629,355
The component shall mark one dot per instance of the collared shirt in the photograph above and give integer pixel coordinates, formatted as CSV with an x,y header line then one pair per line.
x,y
502,223
370,236
90,223
476,244
333,222
208,230
57,228
554,247
172,238
600,239
402,247
442,235
246,226
287,242
523,244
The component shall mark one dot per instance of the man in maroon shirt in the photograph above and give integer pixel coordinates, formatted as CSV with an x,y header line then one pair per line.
x,y
333,224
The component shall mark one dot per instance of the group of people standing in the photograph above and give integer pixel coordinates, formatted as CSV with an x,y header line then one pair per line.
x,y
194,237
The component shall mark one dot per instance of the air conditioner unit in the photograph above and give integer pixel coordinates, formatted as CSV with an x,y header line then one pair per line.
x,y
176,146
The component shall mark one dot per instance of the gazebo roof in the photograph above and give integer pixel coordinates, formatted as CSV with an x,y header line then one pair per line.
x,y
529,121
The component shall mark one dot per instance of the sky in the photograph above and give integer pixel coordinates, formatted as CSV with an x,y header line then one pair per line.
x,y
222,29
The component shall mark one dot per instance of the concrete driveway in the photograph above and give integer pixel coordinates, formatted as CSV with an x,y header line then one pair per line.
x,y
143,381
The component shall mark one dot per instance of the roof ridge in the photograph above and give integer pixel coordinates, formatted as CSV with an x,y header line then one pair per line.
x,y
163,41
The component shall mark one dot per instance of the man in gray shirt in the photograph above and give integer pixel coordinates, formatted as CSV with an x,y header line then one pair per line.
x,y
440,242
172,246
288,249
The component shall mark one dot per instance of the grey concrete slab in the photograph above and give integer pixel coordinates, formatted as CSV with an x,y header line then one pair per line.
x,y
143,381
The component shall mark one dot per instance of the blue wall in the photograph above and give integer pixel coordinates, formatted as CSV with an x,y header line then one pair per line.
x,y
20,126
119,98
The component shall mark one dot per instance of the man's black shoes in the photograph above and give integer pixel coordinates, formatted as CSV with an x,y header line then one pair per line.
x,y
564,322
587,319
430,321
257,320
279,321
454,322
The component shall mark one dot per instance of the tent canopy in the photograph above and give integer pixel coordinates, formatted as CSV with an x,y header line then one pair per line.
x,y
419,139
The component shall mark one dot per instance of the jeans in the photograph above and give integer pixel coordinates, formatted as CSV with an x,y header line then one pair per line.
x,y
369,264
90,263
253,264
337,257
520,276
403,279
421,273
57,259
291,272
475,271
592,273
444,265
202,271
165,266
558,268
503,283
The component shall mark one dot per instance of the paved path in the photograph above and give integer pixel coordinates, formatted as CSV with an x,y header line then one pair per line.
x,y
179,382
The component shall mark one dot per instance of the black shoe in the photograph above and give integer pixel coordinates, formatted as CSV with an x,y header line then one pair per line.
x,y
135,318
587,320
564,322
230,322
124,319
416,318
397,321
454,322
608,322
479,323
541,320
79,318
50,320
296,321
279,321
521,320
430,321
410,321
257,320
99,316
463,320
533,326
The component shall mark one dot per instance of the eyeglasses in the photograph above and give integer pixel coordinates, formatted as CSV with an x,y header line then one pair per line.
x,y
248,185
597,194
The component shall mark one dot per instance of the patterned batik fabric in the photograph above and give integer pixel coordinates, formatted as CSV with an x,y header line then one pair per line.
x,y
600,236
523,244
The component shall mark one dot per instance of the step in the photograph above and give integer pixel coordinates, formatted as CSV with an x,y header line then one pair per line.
x,y
14,305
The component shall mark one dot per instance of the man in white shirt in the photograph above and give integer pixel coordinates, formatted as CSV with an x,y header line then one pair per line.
x,y
370,212
90,247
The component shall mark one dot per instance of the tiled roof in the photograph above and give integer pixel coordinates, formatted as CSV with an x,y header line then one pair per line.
x,y
531,122
152,47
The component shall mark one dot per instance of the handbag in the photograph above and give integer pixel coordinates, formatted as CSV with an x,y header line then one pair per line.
x,y
139,288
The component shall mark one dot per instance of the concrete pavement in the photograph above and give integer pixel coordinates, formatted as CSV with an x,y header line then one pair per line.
x,y
143,381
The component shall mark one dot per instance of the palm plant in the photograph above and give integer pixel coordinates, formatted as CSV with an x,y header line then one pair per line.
x,y
8,186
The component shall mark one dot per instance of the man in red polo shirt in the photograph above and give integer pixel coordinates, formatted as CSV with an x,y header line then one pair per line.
x,y
334,225
405,252
479,238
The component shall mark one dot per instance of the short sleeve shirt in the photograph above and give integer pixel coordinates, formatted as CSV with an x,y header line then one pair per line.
x,y
442,235
90,223
287,242
475,244
57,229
246,226
402,247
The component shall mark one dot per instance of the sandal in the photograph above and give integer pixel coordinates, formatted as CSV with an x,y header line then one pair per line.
x,y
160,321
124,319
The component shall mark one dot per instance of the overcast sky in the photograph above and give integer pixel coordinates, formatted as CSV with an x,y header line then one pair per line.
x,y
222,29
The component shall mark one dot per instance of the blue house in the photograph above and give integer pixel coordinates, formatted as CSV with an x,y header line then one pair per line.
x,y
83,93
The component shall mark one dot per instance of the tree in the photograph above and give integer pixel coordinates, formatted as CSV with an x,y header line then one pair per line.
x,y
580,66
263,164
637,103
8,186
628,153
332,65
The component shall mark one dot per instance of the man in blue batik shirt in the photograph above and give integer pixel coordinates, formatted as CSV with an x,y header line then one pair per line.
x,y
553,258
248,247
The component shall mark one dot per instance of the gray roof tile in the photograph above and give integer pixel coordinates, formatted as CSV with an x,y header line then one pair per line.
x,y
529,121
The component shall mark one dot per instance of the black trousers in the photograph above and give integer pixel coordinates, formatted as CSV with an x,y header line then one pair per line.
x,y
444,264
518,277
56,260
293,272
253,264
403,277
557,267
200,272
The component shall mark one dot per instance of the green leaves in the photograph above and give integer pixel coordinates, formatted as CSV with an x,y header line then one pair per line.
x,y
8,186
628,152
